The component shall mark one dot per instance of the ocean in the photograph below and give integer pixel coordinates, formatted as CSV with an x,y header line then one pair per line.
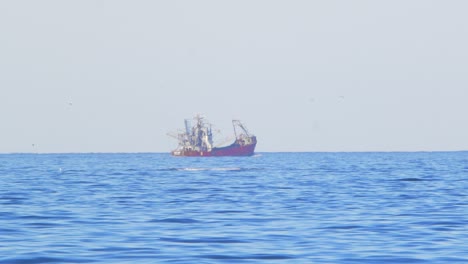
x,y
269,208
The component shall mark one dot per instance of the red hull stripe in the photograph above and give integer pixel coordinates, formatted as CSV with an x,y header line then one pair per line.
x,y
247,150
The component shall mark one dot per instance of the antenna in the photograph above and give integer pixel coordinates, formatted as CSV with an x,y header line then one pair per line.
x,y
187,126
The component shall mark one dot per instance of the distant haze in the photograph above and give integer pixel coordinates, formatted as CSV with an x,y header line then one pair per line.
x,y
116,76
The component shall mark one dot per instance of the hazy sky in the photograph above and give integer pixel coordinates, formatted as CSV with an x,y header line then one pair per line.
x,y
116,76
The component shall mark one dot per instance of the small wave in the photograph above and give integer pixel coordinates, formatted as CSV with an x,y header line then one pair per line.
x,y
175,220
227,169
12,200
384,259
211,169
411,179
228,211
124,249
344,227
254,256
191,169
7,230
42,225
441,223
71,171
40,217
37,260
117,173
221,240
185,190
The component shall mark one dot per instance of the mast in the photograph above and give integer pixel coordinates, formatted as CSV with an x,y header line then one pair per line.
x,y
187,126
200,135
237,123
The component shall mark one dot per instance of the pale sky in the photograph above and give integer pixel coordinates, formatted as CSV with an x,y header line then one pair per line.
x,y
116,76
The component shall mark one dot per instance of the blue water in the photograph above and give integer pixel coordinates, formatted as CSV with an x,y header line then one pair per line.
x,y
270,208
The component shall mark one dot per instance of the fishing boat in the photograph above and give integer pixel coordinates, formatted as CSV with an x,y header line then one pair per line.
x,y
197,140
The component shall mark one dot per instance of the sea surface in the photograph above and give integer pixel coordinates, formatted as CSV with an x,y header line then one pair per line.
x,y
269,208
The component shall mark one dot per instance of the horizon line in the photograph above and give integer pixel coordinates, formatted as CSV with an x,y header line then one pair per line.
x,y
259,152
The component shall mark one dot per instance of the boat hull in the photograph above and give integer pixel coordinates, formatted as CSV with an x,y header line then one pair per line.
x,y
232,150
